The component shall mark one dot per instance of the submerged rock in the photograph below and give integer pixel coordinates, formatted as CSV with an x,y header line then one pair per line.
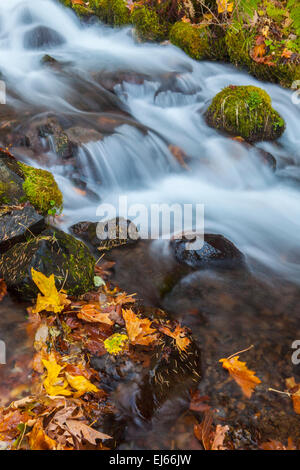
x,y
216,251
107,235
42,36
245,111
17,224
52,252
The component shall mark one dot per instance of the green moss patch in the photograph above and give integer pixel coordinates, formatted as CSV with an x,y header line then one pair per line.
x,y
147,24
113,12
194,41
245,111
41,190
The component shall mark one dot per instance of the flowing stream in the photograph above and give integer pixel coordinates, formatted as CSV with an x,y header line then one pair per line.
x,y
245,201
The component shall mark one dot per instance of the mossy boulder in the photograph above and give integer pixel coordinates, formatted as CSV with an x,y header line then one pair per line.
x,y
194,41
148,25
114,12
245,111
41,190
52,252
17,223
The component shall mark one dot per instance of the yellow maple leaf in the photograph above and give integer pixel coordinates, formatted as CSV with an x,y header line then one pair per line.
x,y
179,335
224,6
138,329
81,384
244,377
53,384
51,300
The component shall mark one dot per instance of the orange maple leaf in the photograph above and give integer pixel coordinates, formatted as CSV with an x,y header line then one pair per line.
x,y
286,53
179,335
139,330
91,313
3,289
123,298
244,377
294,390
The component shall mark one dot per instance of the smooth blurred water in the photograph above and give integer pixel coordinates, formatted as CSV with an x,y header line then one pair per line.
x,y
244,200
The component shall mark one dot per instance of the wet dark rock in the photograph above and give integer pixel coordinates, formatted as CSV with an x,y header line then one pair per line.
x,y
44,133
11,183
107,235
52,252
42,36
18,224
109,80
80,135
216,251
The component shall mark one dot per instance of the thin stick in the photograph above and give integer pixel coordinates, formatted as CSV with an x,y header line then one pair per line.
x,y
279,391
240,352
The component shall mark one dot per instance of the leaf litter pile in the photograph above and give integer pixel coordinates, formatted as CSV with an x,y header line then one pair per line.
x,y
67,408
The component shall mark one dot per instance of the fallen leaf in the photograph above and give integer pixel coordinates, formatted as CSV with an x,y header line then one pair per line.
x,y
3,289
203,431
139,330
81,431
124,298
244,377
116,344
52,383
91,313
277,445
286,53
51,300
224,6
38,439
220,434
81,384
179,334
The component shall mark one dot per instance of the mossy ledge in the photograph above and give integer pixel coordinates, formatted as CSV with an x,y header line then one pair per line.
x,y
245,111
193,41
41,190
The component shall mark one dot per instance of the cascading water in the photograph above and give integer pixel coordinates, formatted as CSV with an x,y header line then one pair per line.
x,y
244,200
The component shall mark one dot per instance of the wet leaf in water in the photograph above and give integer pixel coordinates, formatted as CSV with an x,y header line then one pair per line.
x,y
139,330
244,377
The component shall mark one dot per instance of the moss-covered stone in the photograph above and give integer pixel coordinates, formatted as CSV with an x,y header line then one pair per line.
x,y
52,252
194,41
245,111
148,25
114,12
41,189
